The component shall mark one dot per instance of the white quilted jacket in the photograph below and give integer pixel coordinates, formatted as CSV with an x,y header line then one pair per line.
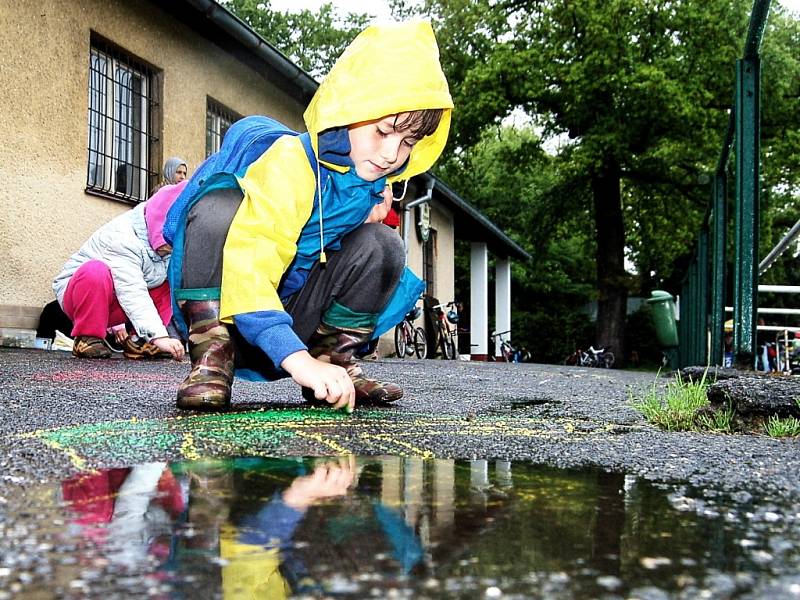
x,y
135,267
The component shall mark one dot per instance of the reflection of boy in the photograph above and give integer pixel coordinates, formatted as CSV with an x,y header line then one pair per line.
x,y
253,550
268,293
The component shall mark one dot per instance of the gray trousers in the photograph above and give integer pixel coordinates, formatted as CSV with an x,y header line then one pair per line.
x,y
361,275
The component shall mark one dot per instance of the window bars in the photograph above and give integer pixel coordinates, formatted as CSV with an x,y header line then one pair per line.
x,y
122,116
218,119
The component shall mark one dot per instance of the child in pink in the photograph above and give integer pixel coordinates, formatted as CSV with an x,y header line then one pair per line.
x,y
118,277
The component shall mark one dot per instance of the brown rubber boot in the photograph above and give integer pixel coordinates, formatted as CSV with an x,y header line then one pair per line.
x,y
208,386
337,346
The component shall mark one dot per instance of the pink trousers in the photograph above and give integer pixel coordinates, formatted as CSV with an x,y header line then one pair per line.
x,y
92,305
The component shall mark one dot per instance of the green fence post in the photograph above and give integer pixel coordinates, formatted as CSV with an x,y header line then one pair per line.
x,y
683,331
691,312
718,266
694,324
703,275
747,182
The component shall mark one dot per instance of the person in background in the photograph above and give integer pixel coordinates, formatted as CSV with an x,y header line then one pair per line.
x,y
118,279
175,170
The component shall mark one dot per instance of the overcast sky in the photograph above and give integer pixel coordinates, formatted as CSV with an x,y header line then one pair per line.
x,y
380,8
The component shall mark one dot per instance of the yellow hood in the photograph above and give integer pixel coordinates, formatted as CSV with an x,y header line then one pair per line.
x,y
387,69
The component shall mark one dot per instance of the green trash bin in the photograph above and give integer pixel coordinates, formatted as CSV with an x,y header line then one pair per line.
x,y
663,306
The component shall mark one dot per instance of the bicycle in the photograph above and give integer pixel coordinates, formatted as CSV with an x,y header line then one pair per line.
x,y
410,340
445,335
601,358
508,353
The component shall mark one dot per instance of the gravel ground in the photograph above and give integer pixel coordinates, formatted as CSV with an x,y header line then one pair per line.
x,y
545,414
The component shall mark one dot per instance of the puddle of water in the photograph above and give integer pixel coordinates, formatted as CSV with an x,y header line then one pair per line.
x,y
382,527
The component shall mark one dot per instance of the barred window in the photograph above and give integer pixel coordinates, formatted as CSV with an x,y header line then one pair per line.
x,y
123,114
218,119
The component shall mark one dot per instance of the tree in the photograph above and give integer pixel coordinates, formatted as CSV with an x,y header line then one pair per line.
x,y
512,181
639,88
313,40
634,92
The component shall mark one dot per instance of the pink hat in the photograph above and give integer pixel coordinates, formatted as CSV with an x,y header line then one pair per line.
x,y
156,209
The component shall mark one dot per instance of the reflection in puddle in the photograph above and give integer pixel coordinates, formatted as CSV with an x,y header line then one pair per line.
x,y
390,527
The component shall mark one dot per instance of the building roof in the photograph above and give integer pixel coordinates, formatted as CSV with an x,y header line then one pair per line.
x,y
471,224
217,23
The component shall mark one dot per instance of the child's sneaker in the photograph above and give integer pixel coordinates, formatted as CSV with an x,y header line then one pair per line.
x,y
136,347
88,346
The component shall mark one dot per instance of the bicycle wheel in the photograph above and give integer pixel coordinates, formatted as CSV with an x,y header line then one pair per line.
x,y
400,340
608,359
450,349
441,342
506,352
420,343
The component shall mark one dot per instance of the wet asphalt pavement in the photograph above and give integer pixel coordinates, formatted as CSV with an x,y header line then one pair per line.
x,y
62,415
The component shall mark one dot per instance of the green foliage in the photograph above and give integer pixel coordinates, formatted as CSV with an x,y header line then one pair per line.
x,y
313,40
674,408
639,89
643,83
777,427
634,81
517,186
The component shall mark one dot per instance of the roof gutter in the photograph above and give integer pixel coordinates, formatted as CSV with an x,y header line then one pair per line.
x,y
242,33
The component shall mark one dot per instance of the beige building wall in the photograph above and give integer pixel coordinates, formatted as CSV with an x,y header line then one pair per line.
x,y
45,214
442,223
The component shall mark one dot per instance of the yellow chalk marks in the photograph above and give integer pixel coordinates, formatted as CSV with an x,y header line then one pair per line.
x,y
188,450
77,461
414,450
323,440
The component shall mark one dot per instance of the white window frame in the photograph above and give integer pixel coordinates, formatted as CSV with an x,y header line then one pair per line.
x,y
219,118
119,137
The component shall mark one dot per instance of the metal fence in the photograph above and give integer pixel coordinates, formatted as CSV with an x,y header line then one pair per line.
x,y
702,298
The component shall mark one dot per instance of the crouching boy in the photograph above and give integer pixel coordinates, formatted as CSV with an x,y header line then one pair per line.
x,y
282,271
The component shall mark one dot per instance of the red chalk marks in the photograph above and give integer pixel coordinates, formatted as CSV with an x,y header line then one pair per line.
x,y
92,375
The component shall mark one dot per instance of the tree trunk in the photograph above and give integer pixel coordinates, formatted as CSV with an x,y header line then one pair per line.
x,y
611,277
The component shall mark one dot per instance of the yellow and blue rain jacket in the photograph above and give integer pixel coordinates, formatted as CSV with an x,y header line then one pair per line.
x,y
275,235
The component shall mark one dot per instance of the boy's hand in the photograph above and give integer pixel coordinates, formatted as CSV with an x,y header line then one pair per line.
x,y
171,345
329,382
327,481
380,211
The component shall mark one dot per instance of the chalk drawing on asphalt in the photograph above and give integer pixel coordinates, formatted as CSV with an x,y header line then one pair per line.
x,y
275,432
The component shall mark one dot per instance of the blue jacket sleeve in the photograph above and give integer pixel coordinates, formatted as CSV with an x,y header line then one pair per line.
x,y
272,526
270,330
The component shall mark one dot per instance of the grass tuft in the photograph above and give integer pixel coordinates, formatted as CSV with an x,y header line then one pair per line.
x,y
777,427
674,408
718,421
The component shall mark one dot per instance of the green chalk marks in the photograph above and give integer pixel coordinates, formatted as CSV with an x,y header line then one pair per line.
x,y
296,431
